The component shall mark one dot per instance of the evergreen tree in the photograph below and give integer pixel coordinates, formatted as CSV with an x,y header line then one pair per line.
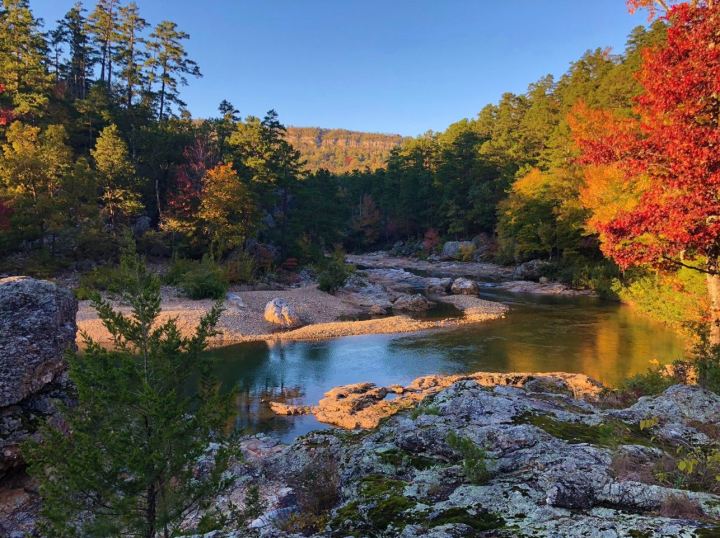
x,y
23,58
169,65
103,23
130,55
128,466
81,59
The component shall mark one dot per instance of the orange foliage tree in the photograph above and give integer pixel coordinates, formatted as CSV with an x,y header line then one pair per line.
x,y
664,163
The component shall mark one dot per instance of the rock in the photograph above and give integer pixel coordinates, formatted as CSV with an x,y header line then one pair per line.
x,y
141,225
407,478
235,300
464,286
37,326
378,309
454,250
280,312
290,410
438,286
411,303
531,270
364,405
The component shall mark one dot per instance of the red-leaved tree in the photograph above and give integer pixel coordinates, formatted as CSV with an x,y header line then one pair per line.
x,y
6,113
672,150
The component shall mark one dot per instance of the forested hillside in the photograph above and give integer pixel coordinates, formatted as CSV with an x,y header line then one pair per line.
x,y
340,150
96,142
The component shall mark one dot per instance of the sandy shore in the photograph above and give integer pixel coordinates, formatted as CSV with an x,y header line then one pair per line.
x,y
243,320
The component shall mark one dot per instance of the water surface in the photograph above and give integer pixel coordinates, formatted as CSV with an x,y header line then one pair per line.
x,y
604,340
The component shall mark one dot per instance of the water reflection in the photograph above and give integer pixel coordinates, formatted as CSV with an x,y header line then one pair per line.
x,y
604,340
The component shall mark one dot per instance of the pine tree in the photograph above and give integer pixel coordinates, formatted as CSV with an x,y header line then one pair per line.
x,y
169,64
23,58
130,54
103,23
128,466
81,59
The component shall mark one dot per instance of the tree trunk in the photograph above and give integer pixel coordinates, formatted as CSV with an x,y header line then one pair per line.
x,y
150,515
713,286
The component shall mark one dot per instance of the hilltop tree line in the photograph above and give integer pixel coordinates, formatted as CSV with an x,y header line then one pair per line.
x,y
340,151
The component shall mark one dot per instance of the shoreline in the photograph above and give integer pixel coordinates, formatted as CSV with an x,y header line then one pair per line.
x,y
242,321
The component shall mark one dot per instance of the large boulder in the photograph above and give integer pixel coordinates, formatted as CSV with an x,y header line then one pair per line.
x,y
464,286
280,312
37,328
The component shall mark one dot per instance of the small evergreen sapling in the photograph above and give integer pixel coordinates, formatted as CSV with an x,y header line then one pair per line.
x,y
128,462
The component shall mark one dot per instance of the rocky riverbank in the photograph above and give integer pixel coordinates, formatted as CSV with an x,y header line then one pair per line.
x,y
475,460
375,300
320,315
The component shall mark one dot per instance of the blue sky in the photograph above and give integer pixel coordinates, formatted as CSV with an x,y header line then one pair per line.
x,y
396,66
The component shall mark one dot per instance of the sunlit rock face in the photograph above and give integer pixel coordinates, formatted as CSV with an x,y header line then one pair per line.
x,y
37,328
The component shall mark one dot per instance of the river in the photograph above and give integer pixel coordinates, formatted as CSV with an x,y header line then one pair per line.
x,y
602,339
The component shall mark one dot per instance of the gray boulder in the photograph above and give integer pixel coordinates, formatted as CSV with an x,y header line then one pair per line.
x,y
464,286
37,327
280,312
531,270
453,250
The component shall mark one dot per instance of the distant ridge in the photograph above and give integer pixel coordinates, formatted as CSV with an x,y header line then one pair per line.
x,y
341,150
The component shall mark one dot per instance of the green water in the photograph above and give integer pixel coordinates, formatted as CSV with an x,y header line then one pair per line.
x,y
605,340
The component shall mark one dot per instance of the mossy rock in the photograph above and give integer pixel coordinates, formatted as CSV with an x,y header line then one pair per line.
x,y
610,434
481,521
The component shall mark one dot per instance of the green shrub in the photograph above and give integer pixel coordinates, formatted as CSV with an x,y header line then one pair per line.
x,y
240,269
334,272
204,280
474,458
116,280
678,299
153,243
579,272
652,382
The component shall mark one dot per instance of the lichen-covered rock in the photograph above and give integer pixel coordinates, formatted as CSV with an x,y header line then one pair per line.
x,y
37,326
280,312
547,462
464,286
